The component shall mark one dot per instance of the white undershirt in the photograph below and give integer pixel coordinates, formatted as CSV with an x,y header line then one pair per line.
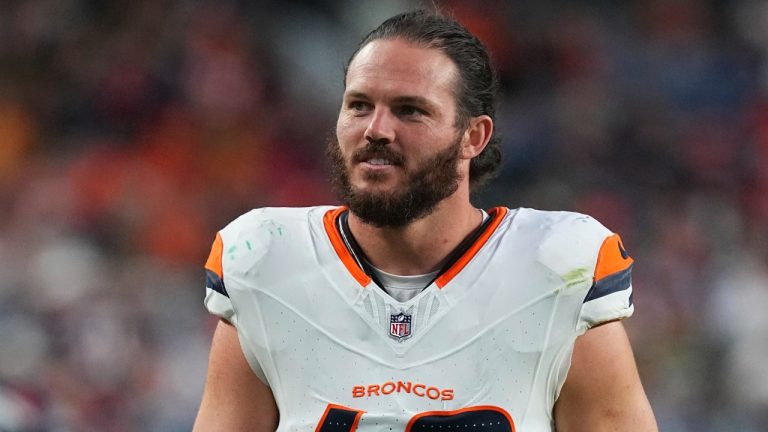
x,y
404,288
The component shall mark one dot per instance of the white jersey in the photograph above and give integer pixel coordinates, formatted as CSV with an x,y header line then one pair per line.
x,y
485,347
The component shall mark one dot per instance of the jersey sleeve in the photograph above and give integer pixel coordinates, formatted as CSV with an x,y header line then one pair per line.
x,y
219,303
610,296
217,299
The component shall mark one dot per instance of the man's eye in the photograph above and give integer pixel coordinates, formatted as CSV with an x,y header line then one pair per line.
x,y
409,110
359,106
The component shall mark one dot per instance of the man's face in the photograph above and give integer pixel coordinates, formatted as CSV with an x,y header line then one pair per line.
x,y
397,150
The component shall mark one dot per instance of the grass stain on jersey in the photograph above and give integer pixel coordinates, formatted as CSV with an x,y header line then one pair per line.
x,y
576,277
274,228
231,251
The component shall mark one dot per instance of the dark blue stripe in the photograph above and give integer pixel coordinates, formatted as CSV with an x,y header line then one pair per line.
x,y
214,282
610,284
339,419
492,420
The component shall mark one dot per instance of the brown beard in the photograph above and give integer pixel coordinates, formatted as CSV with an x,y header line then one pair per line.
x,y
431,182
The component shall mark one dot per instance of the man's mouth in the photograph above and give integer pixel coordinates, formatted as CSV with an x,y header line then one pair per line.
x,y
379,161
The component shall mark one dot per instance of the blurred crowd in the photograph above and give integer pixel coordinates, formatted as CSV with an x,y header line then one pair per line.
x,y
131,131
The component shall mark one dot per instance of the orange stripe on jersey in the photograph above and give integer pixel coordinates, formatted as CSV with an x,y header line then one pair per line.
x,y
329,222
214,259
612,258
498,214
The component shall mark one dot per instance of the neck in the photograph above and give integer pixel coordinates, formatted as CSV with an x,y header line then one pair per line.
x,y
423,245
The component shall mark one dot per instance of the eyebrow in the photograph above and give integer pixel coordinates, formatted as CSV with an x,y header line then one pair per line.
x,y
356,95
413,100
400,100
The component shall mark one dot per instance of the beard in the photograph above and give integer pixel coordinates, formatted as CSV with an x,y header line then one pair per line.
x,y
425,187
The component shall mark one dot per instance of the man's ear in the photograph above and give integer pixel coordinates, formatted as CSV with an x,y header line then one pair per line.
x,y
476,136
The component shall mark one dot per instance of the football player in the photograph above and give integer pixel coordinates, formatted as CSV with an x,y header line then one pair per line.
x,y
407,308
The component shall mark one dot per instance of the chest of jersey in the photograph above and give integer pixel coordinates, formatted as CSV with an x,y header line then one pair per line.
x,y
492,343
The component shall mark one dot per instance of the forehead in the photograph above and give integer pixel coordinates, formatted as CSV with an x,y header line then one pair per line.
x,y
395,67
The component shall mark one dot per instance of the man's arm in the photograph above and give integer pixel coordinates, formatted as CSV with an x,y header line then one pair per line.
x,y
234,398
603,391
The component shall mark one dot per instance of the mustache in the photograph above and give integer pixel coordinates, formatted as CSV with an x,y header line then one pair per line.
x,y
374,150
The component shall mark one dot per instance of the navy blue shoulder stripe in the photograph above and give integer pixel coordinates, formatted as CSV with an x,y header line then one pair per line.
x,y
214,282
610,284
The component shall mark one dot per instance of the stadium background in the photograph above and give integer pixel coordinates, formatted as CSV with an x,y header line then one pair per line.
x,y
131,131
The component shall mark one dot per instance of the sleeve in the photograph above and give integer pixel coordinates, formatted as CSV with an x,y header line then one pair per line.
x,y
218,302
217,299
610,296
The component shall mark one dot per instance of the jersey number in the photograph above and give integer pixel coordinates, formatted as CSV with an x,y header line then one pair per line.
x,y
486,418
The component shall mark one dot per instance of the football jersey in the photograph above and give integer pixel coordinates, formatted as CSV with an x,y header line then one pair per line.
x,y
485,347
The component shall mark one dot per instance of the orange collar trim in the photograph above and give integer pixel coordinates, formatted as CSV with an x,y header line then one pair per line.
x,y
497,213
329,222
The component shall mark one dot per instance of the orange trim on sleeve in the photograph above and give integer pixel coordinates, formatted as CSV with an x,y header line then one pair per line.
x,y
329,222
214,259
498,216
612,257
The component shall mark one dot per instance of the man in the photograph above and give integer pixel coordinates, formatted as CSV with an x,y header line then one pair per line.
x,y
410,309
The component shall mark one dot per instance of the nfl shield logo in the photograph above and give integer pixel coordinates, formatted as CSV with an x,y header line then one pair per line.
x,y
400,325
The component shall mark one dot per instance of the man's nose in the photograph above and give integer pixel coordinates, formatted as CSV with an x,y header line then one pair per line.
x,y
381,127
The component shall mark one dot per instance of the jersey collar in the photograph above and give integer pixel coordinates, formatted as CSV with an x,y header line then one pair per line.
x,y
353,260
